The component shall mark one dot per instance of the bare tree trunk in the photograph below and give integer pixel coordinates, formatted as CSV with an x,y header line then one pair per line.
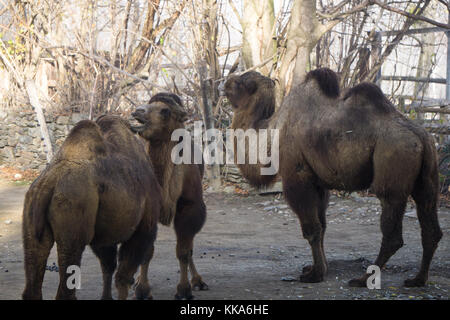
x,y
303,33
257,33
213,170
208,67
34,100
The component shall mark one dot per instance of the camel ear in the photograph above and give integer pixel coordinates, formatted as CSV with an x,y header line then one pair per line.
x,y
250,86
184,118
182,115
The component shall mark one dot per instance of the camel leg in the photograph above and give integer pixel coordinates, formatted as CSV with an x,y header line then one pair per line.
x,y
108,262
188,221
391,228
69,254
184,290
431,234
196,281
36,255
324,196
142,289
132,253
308,202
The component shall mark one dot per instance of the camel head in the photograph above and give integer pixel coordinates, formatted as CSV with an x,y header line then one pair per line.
x,y
251,93
160,117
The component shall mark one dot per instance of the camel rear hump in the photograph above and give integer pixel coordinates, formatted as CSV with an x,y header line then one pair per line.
x,y
371,94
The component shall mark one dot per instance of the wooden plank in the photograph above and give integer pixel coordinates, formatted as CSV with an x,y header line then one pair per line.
x,y
443,129
443,110
442,103
414,79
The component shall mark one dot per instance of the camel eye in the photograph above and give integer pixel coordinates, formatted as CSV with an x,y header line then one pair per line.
x,y
165,113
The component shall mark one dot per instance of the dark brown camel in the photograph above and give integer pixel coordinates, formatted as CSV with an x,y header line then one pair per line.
x,y
346,143
100,190
181,185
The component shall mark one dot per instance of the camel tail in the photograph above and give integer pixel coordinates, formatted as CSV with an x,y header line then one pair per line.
x,y
38,200
428,180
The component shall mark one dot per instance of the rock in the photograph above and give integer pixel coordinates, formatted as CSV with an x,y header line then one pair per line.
x,y
228,189
209,190
35,132
8,153
26,139
411,214
8,222
288,279
77,117
42,156
12,141
25,157
62,120
17,176
276,188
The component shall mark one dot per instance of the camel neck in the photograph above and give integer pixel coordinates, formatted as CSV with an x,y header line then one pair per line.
x,y
243,121
160,154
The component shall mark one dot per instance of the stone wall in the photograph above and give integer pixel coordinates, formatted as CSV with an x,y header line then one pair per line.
x,y
21,143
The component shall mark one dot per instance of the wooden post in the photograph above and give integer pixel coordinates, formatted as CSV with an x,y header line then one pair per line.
x,y
447,89
401,105
363,63
376,54
34,100
214,169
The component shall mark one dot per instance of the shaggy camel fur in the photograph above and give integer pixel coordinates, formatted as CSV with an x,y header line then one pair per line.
x,y
348,143
181,185
100,190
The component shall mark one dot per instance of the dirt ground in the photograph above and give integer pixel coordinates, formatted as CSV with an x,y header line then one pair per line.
x,y
251,248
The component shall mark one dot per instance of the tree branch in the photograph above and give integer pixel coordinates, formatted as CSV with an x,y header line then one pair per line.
x,y
339,17
410,15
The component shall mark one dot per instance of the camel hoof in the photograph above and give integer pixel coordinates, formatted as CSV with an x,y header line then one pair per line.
x,y
358,283
307,269
26,296
415,282
184,297
311,277
184,293
199,285
142,292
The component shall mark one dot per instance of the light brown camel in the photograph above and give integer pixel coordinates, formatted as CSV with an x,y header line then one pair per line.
x,y
181,185
348,143
100,190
